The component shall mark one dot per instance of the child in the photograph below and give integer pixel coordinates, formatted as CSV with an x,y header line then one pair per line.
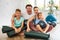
x,y
39,23
17,21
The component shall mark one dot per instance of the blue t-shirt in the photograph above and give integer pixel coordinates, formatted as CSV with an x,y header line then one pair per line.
x,y
37,21
17,23
42,23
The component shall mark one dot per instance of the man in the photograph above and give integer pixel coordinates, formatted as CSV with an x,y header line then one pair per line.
x,y
28,13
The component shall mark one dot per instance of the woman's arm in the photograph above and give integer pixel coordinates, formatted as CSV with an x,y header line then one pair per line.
x,y
29,20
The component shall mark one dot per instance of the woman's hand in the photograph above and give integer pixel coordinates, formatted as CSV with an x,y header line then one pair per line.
x,y
28,29
44,32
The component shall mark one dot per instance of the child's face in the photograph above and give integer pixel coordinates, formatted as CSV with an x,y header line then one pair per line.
x,y
18,14
40,16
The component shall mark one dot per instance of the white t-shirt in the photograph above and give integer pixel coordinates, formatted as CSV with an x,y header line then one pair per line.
x,y
26,15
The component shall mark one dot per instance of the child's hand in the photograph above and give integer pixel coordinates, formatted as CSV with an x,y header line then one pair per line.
x,y
19,29
28,29
16,30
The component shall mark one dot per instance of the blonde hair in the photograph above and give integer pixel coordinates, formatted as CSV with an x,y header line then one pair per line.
x,y
38,15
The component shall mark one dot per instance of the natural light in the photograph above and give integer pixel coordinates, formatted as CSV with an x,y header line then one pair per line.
x,y
43,4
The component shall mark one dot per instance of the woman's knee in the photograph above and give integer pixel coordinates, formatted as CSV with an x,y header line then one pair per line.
x,y
37,25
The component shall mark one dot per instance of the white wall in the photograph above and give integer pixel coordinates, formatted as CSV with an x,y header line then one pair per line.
x,y
7,8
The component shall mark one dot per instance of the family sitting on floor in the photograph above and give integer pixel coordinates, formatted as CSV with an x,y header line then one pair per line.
x,y
35,20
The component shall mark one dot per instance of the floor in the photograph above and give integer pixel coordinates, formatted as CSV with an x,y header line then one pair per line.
x,y
3,36
54,35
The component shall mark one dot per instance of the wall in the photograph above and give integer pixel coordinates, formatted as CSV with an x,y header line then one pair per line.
x,y
7,8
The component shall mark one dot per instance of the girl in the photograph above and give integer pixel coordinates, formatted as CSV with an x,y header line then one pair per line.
x,y
17,21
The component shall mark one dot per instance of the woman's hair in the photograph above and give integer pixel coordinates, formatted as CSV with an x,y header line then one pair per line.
x,y
35,7
18,10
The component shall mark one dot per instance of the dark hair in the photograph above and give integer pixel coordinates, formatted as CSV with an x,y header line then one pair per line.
x,y
18,10
28,5
35,7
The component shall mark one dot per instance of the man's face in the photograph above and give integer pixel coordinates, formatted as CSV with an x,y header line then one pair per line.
x,y
29,9
36,10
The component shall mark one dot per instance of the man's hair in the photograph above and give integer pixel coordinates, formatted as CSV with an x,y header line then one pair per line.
x,y
35,7
28,5
18,10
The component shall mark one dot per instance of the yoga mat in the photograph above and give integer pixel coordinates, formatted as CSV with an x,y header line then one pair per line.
x,y
38,35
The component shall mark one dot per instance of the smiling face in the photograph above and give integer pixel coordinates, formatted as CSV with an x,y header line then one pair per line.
x,y
36,10
29,9
18,14
40,15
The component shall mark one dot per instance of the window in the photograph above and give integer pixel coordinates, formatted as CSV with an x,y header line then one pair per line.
x,y
43,4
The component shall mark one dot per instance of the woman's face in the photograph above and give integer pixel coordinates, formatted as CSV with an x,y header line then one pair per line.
x,y
18,14
36,11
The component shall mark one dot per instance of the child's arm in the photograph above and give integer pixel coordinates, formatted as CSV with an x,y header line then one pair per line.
x,y
22,25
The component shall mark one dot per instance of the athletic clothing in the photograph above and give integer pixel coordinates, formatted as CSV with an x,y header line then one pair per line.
x,y
18,23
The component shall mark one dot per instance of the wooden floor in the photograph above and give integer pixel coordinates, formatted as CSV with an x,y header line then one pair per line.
x,y
5,37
